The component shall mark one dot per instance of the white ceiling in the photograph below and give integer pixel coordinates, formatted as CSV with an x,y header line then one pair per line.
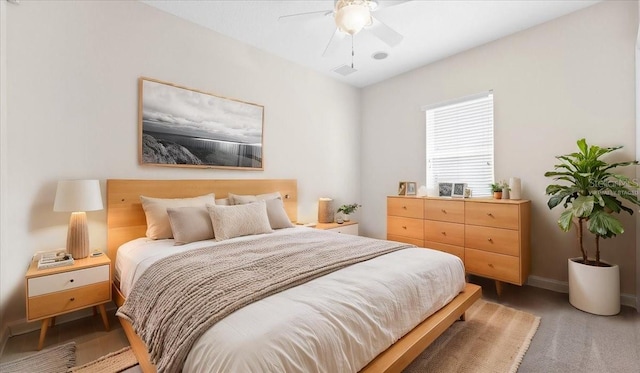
x,y
432,29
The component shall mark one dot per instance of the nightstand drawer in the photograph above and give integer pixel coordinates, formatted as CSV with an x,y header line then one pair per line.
x,y
451,211
492,215
496,266
406,227
69,300
346,229
67,280
405,207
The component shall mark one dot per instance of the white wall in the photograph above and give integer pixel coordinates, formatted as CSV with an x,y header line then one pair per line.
x,y
72,88
553,84
638,157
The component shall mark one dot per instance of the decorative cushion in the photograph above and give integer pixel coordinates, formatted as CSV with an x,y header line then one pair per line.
x,y
241,220
223,202
278,217
239,199
190,224
155,209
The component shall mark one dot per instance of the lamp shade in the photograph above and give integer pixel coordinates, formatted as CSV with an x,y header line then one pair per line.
x,y
353,16
78,195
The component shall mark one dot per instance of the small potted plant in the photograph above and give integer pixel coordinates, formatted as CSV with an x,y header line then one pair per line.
x,y
592,193
497,188
347,210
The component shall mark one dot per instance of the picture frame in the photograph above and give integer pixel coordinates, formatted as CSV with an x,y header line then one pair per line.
x,y
402,188
458,190
445,189
184,127
411,188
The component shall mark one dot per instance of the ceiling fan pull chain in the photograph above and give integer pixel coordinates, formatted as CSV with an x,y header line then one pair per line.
x,y
352,53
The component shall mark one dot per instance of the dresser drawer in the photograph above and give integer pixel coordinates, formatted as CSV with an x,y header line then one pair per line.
x,y
455,250
497,266
491,215
406,227
451,211
406,207
496,240
444,232
67,280
409,240
69,300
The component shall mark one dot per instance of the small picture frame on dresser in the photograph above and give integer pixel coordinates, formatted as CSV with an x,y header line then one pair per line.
x,y
458,190
411,188
402,188
445,189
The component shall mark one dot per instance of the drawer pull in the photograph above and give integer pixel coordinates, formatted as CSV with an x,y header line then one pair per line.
x,y
443,211
404,207
72,299
490,265
404,227
490,240
489,214
444,233
71,280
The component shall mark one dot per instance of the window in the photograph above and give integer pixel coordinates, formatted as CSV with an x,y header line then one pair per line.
x,y
460,143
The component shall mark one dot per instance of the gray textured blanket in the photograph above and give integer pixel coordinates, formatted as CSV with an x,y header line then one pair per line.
x,y
180,297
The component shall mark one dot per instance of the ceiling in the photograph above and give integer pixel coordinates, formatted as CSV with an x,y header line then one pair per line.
x,y
432,29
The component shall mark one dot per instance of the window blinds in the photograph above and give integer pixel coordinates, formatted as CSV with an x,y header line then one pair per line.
x,y
460,143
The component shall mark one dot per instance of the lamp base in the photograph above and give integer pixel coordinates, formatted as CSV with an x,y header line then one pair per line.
x,y
78,236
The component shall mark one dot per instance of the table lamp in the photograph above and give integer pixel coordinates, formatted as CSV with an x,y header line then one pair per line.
x,y
78,196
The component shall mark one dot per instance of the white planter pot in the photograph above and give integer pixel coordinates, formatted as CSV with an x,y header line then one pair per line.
x,y
594,289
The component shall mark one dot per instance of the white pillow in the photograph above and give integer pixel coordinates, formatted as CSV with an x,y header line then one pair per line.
x,y
278,217
155,209
190,224
241,220
239,199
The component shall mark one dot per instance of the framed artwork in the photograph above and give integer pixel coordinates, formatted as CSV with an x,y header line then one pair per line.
x,y
183,127
411,188
445,189
402,188
458,190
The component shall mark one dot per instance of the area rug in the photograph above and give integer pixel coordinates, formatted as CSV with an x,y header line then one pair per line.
x,y
114,362
52,360
493,339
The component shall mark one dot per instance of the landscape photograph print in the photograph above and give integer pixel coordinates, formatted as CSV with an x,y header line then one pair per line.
x,y
188,128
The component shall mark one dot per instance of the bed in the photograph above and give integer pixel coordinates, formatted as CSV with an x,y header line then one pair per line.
x,y
126,225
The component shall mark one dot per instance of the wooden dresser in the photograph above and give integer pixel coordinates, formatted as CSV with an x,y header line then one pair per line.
x,y
491,236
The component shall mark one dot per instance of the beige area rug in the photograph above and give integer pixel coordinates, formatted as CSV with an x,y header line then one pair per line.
x,y
493,339
114,362
52,360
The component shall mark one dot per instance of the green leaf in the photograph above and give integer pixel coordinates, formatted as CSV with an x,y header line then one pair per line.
x,y
564,222
582,145
582,206
605,225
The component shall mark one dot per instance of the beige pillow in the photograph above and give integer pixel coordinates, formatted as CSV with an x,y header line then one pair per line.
x,y
190,224
278,217
238,199
223,202
155,209
241,220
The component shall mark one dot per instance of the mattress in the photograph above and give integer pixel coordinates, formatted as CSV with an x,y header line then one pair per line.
x,y
335,323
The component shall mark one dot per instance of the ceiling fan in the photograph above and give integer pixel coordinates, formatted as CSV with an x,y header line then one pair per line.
x,y
351,17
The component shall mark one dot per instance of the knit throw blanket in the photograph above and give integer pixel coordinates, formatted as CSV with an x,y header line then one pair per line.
x,y
180,297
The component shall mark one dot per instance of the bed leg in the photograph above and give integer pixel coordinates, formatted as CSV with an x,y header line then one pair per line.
x,y
498,288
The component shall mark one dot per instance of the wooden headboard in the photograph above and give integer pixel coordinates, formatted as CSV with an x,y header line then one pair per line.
x,y
126,220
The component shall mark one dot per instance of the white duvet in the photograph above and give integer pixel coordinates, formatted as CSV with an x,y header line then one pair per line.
x,y
335,323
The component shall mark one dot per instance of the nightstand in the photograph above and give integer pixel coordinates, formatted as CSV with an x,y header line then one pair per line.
x,y
348,227
56,291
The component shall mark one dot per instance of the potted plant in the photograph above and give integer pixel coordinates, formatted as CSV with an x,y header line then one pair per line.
x,y
347,210
592,193
497,189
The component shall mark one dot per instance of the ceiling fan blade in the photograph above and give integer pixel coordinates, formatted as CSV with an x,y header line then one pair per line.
x,y
385,33
387,4
332,46
303,16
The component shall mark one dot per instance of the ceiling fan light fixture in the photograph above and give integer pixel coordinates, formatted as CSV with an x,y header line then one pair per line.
x,y
352,15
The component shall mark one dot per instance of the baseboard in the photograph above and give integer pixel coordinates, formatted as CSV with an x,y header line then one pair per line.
x,y
563,287
21,326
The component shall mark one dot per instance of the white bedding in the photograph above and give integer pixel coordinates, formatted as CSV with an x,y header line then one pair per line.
x,y
335,323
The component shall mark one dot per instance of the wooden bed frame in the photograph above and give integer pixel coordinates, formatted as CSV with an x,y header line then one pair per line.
x,y
126,221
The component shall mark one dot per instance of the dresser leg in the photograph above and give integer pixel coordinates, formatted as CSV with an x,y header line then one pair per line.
x,y
43,332
53,322
498,288
463,317
105,319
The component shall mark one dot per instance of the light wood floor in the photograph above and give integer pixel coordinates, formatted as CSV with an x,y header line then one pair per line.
x,y
567,341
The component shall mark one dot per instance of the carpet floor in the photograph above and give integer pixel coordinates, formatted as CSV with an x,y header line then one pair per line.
x,y
493,338
52,360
